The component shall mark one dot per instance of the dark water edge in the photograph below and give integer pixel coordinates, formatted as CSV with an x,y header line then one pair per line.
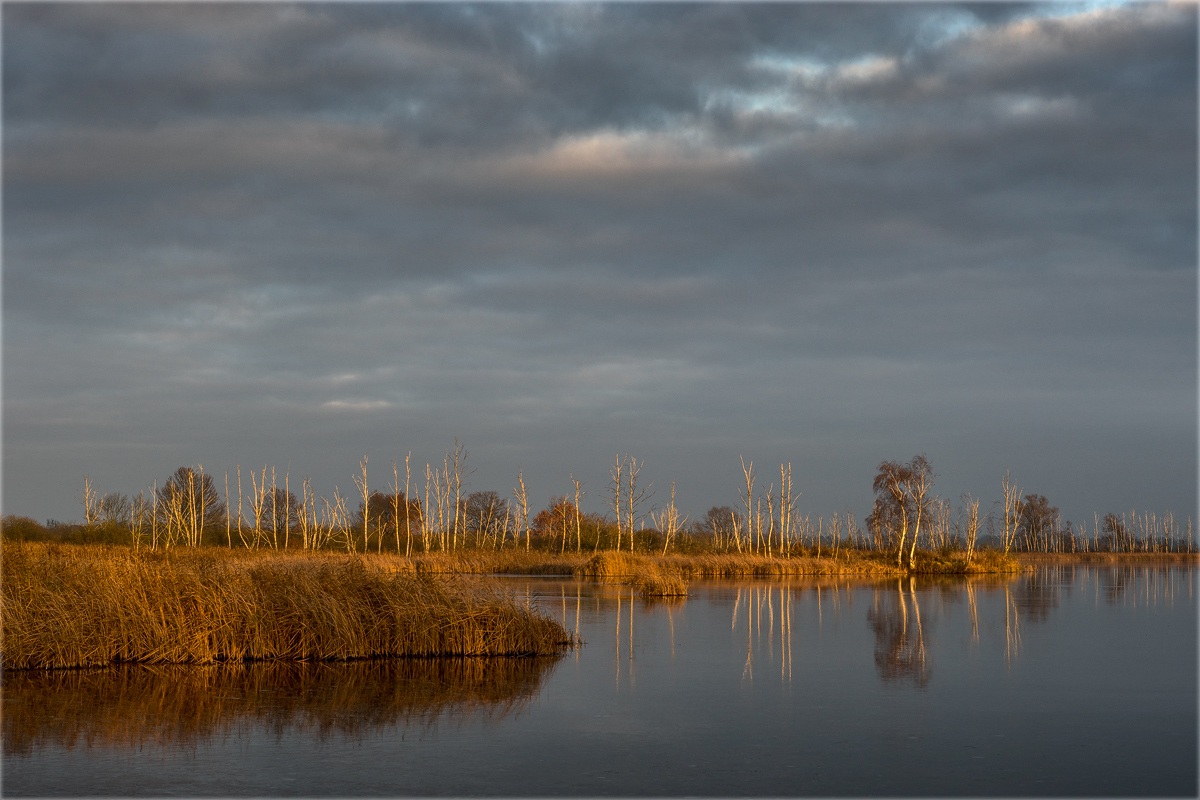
x,y
1075,680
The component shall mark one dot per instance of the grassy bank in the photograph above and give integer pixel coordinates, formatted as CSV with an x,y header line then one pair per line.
x,y
72,606
608,564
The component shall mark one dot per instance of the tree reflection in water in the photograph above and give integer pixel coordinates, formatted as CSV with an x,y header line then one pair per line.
x,y
133,706
899,636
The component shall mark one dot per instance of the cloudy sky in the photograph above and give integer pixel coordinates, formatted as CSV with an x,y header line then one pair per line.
x,y
829,234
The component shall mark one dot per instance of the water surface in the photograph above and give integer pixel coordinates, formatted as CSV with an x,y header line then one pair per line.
x,y
1067,680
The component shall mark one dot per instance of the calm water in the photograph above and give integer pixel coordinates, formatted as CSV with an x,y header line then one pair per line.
x,y
1076,681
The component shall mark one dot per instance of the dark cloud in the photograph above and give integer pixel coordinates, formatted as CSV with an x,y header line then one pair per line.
x,y
826,233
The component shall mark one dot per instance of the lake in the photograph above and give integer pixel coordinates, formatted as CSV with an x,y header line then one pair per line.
x,y
1066,680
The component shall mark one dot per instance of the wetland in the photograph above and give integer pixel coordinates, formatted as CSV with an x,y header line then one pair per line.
x,y
1067,679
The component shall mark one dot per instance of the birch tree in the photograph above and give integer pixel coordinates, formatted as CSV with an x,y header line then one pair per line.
x,y
91,502
615,489
748,502
669,522
578,522
523,500
635,498
361,483
972,532
902,499
1012,510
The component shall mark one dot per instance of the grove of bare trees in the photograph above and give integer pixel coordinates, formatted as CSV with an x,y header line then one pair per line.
x,y
259,508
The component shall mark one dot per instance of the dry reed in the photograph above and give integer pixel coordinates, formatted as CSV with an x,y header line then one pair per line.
x,y
72,606
651,575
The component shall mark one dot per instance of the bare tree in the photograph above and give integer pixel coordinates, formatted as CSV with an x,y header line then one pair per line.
x,y
1012,511
615,492
91,502
481,515
503,537
669,522
459,464
635,498
307,496
902,499
241,535
407,516
425,510
198,530
187,500
578,527
114,509
787,507
361,483
287,492
523,499
972,532
140,515
258,504
274,511
441,491
748,501
340,521
919,488
396,500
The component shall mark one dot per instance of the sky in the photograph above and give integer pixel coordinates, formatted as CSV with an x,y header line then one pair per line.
x,y
829,234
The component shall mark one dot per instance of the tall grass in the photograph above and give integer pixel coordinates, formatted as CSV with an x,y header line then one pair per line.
x,y
653,576
74,606
623,565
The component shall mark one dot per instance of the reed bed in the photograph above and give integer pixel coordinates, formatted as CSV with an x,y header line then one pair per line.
x,y
131,705
732,565
75,606
499,562
611,564
649,574
654,582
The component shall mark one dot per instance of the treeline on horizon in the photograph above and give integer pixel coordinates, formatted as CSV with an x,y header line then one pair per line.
x,y
432,512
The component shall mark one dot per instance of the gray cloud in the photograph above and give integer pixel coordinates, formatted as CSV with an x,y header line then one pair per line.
x,y
825,233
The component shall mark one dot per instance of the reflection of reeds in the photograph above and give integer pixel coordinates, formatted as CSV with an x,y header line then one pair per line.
x,y
67,606
132,705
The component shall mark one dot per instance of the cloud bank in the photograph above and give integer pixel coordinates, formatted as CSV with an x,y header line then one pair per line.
x,y
829,234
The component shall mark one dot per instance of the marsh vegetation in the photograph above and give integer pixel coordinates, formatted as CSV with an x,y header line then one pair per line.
x,y
77,606
197,571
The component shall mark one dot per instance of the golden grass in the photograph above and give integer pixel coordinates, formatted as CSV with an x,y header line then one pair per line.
x,y
498,562
955,563
133,705
734,565
656,583
649,574
78,605
612,564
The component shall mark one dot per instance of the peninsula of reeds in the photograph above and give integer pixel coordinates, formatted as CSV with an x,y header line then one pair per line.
x,y
76,606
